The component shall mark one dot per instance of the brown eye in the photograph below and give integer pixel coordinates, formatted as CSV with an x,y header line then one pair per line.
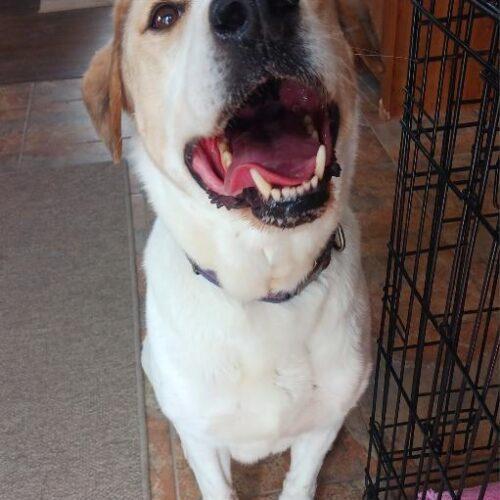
x,y
165,16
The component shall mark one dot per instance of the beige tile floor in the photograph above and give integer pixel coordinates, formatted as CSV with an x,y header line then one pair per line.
x,y
46,123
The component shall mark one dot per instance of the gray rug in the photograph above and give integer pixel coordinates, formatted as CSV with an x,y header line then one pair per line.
x,y
71,403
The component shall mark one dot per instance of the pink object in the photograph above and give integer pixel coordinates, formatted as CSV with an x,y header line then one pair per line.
x,y
492,493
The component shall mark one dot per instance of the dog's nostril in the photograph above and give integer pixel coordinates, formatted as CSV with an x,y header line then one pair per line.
x,y
284,4
233,18
229,17
248,22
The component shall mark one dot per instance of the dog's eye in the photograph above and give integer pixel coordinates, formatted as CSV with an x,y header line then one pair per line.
x,y
165,16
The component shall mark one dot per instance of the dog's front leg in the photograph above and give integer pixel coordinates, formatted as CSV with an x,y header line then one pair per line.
x,y
308,453
212,468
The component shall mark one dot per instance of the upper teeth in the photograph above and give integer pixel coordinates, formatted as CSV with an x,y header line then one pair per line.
x,y
227,159
308,122
225,154
223,146
321,161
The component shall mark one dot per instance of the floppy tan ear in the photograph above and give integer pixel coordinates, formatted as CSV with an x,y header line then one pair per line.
x,y
102,93
103,87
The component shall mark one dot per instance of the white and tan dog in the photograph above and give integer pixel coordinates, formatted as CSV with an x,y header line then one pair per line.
x,y
257,316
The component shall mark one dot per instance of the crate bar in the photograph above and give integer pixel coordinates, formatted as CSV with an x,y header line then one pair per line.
x,y
430,433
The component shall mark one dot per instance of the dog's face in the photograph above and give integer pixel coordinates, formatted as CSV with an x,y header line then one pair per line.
x,y
246,105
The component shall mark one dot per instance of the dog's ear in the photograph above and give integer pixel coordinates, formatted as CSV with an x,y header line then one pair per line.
x,y
102,94
102,87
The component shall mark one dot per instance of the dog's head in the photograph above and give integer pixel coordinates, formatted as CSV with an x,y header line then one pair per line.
x,y
247,104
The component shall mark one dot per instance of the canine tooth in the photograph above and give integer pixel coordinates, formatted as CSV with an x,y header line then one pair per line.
x,y
276,194
309,124
315,135
321,161
311,130
227,159
314,182
262,185
223,147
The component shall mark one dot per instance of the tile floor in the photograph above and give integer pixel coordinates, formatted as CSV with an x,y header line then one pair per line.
x,y
46,122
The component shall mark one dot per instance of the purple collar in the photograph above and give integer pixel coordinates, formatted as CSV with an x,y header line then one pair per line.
x,y
336,242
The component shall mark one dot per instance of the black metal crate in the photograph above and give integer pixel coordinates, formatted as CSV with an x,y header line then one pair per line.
x,y
436,400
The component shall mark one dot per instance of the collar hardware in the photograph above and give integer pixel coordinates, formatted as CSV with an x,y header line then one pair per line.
x,y
339,239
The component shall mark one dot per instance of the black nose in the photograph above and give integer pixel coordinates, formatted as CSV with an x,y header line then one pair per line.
x,y
247,21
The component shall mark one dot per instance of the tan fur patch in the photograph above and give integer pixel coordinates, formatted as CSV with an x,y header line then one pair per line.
x,y
102,87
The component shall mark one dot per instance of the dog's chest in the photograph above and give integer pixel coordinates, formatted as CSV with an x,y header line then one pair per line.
x,y
263,397
241,372
252,391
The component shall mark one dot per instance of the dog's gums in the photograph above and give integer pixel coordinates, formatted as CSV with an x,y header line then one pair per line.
x,y
275,155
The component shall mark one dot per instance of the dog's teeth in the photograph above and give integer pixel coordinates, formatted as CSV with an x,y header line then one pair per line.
x,y
314,182
307,185
301,190
225,154
227,159
293,193
262,185
315,135
321,161
276,194
223,147
286,192
308,122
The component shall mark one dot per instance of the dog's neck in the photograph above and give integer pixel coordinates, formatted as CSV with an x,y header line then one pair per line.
x,y
335,243
268,261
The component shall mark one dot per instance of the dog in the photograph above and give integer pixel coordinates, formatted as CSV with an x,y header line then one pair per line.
x,y
257,314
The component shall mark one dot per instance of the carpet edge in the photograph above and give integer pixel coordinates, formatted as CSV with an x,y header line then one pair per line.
x,y
141,399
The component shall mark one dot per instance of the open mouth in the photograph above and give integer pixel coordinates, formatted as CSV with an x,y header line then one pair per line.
x,y
276,154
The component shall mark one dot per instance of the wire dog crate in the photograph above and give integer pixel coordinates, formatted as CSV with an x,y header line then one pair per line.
x,y
434,422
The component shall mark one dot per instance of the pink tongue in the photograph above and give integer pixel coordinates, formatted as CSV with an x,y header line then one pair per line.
x,y
283,153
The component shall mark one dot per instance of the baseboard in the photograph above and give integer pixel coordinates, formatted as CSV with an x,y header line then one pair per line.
x,y
62,5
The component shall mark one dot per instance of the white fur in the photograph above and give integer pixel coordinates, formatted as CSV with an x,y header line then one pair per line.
x,y
239,377
247,379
